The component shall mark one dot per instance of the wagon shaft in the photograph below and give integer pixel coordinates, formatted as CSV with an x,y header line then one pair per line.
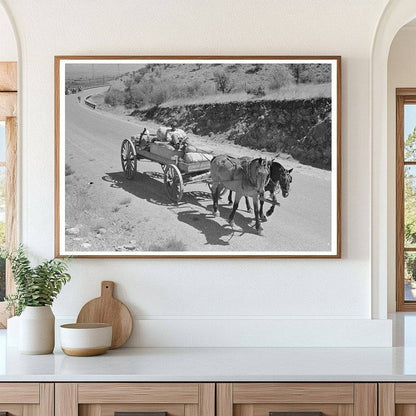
x,y
203,177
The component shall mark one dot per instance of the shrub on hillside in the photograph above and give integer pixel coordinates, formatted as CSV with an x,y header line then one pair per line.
x,y
141,93
114,97
150,92
193,89
253,69
315,74
222,81
160,94
281,77
258,91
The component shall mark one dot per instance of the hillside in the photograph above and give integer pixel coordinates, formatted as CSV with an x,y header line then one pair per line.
x,y
166,84
275,108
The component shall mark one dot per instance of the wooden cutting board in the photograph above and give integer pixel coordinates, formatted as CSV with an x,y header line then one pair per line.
x,y
107,309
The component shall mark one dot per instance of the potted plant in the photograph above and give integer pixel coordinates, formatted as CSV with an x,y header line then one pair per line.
x,y
36,289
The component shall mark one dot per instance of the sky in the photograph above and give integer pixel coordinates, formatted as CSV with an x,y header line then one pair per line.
x,y
409,119
91,71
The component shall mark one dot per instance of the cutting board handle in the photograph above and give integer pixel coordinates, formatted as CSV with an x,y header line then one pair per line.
x,y
107,289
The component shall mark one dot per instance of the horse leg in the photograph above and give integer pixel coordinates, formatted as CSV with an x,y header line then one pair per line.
x,y
230,197
259,228
215,195
235,206
248,205
262,216
271,209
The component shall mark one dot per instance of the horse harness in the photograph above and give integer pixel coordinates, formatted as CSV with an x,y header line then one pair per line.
x,y
244,164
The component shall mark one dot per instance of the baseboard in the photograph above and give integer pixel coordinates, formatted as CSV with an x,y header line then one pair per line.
x,y
165,332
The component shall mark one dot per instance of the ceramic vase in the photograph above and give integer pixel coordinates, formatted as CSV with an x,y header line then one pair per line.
x,y
13,331
37,330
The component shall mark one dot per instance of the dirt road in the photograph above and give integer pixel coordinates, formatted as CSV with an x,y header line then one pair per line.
x,y
107,212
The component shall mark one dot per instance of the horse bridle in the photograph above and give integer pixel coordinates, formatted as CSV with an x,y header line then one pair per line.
x,y
277,186
253,181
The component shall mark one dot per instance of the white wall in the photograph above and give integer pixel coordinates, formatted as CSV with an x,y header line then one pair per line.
x,y
8,47
401,74
179,302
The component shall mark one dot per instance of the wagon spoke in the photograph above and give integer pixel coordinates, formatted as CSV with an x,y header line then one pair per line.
x,y
173,183
128,159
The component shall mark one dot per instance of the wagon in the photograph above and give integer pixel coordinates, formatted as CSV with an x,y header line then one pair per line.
x,y
176,172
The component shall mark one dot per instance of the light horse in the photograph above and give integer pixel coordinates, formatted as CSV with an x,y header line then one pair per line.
x,y
280,178
244,176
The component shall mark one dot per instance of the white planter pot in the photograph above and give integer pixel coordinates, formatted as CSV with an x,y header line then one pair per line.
x,y
37,330
13,331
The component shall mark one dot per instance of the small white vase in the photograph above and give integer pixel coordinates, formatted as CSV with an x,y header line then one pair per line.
x,y
37,330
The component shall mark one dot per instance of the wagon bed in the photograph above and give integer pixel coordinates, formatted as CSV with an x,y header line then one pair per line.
x,y
176,172
182,165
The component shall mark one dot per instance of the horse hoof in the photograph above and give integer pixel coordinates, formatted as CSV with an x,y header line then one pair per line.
x,y
260,231
232,224
249,210
263,218
216,214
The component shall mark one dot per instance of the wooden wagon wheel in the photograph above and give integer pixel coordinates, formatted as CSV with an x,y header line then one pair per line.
x,y
173,183
128,158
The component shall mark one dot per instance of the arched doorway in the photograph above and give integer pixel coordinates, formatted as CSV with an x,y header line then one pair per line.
x,y
396,15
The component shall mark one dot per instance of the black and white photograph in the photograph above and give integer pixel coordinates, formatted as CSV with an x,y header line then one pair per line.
x,y
198,156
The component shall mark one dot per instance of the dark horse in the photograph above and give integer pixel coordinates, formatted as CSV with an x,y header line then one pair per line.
x,y
244,176
279,178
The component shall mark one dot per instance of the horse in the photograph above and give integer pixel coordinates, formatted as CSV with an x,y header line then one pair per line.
x,y
244,176
279,177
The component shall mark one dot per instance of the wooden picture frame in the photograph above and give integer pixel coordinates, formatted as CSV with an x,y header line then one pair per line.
x,y
157,110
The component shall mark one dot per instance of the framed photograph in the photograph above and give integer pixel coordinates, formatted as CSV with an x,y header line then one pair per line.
x,y
197,156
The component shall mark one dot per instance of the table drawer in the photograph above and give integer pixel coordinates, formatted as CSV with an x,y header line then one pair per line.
x,y
296,399
145,399
397,399
22,399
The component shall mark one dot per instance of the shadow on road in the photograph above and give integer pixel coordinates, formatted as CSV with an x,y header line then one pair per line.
x,y
145,186
148,186
215,233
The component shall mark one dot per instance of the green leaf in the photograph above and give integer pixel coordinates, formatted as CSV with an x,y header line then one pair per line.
x,y
35,286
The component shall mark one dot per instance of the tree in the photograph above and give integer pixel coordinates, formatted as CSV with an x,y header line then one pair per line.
x,y
410,207
222,81
296,70
410,190
410,146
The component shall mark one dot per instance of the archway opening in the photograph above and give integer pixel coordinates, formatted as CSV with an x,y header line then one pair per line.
x,y
383,212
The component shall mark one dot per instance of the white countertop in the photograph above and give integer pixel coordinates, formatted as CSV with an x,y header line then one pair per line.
x,y
213,364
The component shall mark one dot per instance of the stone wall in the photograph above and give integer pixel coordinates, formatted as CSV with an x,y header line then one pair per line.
x,y
301,128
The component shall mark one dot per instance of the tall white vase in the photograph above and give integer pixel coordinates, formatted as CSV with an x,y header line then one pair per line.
x,y
37,330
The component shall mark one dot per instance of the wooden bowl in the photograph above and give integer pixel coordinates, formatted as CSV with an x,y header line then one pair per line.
x,y
85,340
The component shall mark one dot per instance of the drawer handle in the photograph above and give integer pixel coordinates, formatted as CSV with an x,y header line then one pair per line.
x,y
296,414
138,414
